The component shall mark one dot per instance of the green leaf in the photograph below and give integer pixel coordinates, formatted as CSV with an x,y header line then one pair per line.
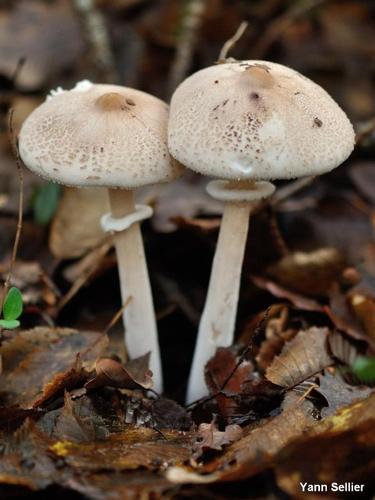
x,y
364,368
9,324
13,304
45,202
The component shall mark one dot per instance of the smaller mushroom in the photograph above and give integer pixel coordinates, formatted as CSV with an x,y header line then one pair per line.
x,y
114,137
248,122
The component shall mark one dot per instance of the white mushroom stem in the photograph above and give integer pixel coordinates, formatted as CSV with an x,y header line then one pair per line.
x,y
139,315
216,328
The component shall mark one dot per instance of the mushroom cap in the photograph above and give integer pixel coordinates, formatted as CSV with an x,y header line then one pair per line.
x,y
99,135
256,120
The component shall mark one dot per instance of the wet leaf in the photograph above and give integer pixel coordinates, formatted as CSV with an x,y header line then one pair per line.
x,y
303,356
128,450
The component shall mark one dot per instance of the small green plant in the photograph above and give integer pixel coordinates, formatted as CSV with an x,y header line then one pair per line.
x,y
45,202
12,309
364,368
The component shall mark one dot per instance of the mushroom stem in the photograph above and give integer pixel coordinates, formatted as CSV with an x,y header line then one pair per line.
x,y
217,324
139,316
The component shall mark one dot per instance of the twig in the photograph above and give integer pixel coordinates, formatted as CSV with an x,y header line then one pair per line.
x,y
99,253
280,24
259,329
229,44
97,36
20,207
365,131
118,315
290,189
190,25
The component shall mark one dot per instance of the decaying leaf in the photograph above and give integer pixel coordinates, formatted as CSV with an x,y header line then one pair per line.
x,y
305,355
298,300
40,363
136,447
308,273
338,393
72,236
209,436
254,452
339,449
134,375
364,309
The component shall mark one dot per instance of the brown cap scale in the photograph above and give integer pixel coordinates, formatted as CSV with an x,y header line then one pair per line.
x,y
248,121
115,137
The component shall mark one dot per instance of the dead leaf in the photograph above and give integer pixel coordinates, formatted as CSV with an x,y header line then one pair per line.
x,y
41,363
134,448
225,368
280,292
308,273
209,436
134,375
338,393
303,356
339,449
72,236
364,309
253,453
167,414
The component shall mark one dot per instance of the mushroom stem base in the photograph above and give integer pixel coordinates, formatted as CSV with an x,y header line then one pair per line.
x,y
139,315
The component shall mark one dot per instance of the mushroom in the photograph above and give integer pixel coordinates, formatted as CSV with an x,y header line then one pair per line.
x,y
114,137
248,122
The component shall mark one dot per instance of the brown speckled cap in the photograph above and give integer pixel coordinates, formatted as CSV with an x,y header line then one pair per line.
x,y
99,135
256,120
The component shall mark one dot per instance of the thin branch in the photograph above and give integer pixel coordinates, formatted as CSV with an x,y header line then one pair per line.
x,y
229,44
17,157
258,330
118,315
279,25
190,24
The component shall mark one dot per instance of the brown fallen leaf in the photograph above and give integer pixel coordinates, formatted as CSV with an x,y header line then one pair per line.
x,y
364,309
254,452
136,447
338,393
225,375
308,273
134,375
40,363
72,236
303,356
209,437
339,449
298,300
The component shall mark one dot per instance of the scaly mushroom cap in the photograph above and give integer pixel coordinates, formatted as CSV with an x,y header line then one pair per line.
x,y
99,135
256,120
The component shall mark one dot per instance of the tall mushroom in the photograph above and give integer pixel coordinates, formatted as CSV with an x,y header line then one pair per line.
x,y
248,122
115,137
